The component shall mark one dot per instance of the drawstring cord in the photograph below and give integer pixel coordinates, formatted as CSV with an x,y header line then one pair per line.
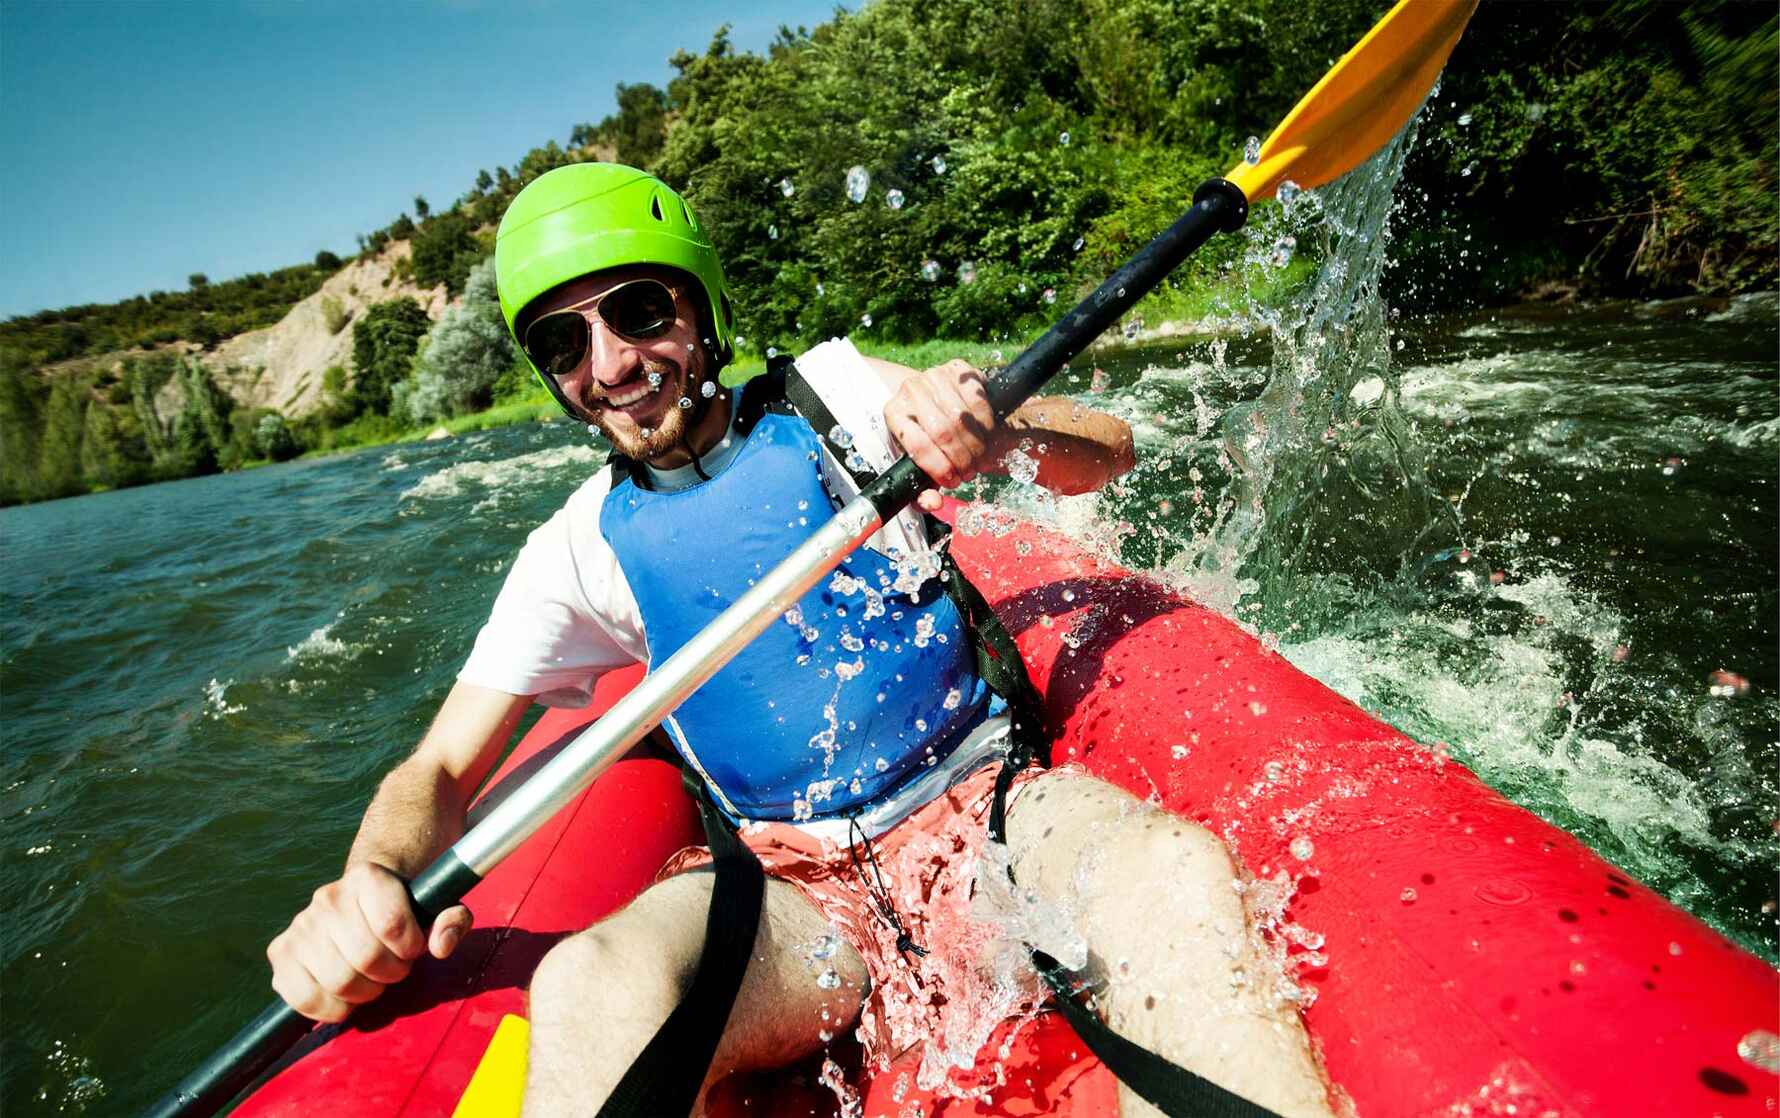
x,y
874,884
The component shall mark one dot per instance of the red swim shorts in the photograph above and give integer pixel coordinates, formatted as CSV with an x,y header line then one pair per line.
x,y
974,975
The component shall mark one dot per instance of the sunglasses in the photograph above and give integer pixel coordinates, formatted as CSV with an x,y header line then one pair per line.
x,y
639,310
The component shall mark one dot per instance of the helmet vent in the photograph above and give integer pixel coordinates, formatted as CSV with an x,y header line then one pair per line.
x,y
687,210
655,208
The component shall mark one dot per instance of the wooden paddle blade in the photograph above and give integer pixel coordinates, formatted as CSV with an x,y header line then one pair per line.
x,y
1361,103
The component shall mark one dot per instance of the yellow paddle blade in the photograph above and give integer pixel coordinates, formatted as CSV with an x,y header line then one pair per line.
x,y
1360,104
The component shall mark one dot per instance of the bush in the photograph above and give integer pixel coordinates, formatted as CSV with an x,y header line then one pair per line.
x,y
273,438
466,354
334,315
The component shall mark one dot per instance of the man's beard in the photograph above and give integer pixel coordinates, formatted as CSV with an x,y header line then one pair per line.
x,y
630,440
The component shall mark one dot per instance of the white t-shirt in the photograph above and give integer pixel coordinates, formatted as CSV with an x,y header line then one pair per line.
x,y
566,615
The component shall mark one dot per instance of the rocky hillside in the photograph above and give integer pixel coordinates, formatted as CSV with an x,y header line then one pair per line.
x,y
281,366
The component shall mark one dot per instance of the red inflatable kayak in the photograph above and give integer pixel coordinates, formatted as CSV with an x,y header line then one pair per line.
x,y
1478,960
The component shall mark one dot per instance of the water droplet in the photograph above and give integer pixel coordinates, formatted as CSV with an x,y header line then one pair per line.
x,y
592,430
865,319
953,698
1302,848
1274,771
1761,1049
938,163
1407,896
921,725
893,199
967,272
1251,151
648,431
1077,247
1469,167
1178,752
1050,295
825,946
1464,120
786,188
1069,595
930,270
772,232
708,389
685,401
654,380
840,437
828,980
820,289
1063,139
1257,708
858,182
772,351
1121,293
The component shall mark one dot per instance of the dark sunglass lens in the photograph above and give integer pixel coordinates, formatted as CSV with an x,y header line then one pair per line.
x,y
556,343
639,310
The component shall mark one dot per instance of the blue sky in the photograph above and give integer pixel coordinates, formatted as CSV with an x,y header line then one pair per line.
x,y
145,140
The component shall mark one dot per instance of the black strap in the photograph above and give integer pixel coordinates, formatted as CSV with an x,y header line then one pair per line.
x,y
667,1075
999,664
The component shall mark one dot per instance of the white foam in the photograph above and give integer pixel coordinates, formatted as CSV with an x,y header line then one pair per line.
x,y
321,645
497,475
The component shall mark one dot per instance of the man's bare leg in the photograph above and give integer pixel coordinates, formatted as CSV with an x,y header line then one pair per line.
x,y
598,996
1152,895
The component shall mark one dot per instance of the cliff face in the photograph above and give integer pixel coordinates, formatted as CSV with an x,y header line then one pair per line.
x,y
281,366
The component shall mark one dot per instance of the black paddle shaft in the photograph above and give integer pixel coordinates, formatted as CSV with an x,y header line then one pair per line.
x,y
232,1067
1218,207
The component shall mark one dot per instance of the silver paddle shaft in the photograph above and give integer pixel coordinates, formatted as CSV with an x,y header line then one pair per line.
x,y
666,687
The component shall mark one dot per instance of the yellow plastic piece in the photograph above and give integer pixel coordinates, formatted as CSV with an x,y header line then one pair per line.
x,y
495,1089
1359,105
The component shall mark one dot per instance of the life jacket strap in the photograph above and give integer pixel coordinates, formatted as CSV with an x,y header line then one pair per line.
x,y
661,1079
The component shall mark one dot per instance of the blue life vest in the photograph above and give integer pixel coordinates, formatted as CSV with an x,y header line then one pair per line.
x,y
787,730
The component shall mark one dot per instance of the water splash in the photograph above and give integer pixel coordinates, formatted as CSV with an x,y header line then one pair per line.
x,y
1324,446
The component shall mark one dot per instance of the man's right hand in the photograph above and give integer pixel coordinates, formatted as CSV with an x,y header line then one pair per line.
x,y
357,936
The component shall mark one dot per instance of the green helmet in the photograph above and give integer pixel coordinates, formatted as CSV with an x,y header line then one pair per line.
x,y
588,217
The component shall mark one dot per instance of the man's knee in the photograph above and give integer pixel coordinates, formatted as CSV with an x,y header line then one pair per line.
x,y
638,960
1077,835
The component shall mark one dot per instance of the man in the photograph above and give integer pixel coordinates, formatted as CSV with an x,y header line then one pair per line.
x,y
852,743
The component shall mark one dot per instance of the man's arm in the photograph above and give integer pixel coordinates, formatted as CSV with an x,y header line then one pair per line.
x,y
359,934
942,419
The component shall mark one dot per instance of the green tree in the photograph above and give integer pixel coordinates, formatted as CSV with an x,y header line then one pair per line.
x,y
112,451
21,420
421,208
64,429
445,249
327,261
383,343
198,280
